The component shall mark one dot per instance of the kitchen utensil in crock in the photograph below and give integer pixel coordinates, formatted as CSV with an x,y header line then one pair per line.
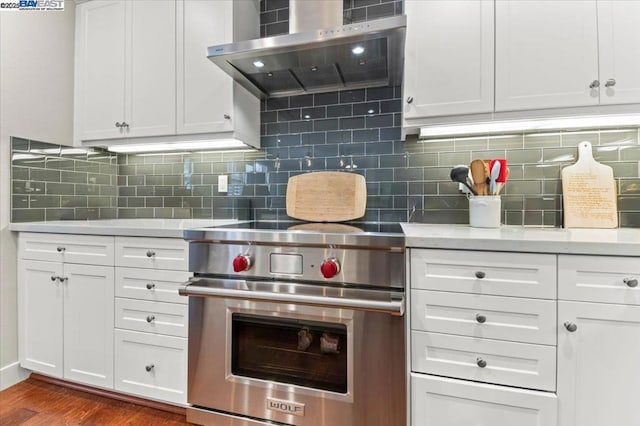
x,y
500,185
460,174
503,169
479,175
495,173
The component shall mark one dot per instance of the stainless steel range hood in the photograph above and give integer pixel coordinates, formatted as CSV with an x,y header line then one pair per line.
x,y
364,54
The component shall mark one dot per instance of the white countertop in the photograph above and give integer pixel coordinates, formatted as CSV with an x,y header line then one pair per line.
x,y
170,228
618,242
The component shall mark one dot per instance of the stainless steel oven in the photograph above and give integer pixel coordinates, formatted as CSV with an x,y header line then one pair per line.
x,y
280,337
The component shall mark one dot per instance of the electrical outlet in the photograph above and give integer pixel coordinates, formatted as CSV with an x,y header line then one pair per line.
x,y
223,183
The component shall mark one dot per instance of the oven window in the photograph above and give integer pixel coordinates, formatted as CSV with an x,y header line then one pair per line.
x,y
305,353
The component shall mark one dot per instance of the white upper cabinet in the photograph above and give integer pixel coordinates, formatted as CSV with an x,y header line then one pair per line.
x,y
619,50
125,69
150,83
142,71
208,99
99,69
546,54
448,58
566,54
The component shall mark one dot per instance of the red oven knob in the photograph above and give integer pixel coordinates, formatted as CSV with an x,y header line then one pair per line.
x,y
241,263
330,268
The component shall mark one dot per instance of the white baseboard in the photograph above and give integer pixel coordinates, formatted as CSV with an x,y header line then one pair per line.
x,y
12,374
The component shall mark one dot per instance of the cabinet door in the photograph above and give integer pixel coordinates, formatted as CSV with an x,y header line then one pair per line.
x,y
598,368
205,92
546,54
40,316
151,71
619,50
449,58
438,401
100,69
88,324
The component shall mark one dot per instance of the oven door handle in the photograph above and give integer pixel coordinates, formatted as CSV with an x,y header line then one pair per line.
x,y
359,300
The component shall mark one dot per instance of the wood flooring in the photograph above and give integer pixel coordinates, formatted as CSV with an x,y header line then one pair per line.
x,y
35,402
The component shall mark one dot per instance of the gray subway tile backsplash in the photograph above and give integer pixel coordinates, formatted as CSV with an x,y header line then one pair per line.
x,y
352,131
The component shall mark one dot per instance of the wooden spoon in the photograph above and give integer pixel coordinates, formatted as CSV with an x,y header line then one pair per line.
x,y
479,176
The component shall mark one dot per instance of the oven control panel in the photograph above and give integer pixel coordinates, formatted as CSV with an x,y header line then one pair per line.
x,y
376,267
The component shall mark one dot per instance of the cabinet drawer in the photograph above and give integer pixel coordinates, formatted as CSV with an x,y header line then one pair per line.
x,y
600,279
86,249
152,317
153,253
493,317
151,284
501,274
151,365
507,363
438,401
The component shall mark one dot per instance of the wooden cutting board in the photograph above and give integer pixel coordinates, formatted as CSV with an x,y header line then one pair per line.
x,y
589,193
326,196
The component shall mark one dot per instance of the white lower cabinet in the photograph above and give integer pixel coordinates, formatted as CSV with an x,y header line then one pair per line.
x,y
40,317
151,318
598,364
439,401
151,365
66,321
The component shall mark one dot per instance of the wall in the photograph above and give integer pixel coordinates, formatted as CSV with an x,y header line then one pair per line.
x,y
359,131
36,101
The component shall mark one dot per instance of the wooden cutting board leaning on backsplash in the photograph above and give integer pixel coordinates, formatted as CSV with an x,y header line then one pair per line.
x,y
326,196
589,193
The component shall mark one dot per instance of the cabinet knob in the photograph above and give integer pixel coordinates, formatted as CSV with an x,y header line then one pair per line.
x,y
227,117
481,318
150,286
631,282
125,125
118,124
571,327
410,99
60,249
480,274
53,277
151,253
610,83
594,84
149,367
151,318
63,279
481,362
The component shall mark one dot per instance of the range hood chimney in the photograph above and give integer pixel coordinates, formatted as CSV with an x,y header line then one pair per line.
x,y
319,55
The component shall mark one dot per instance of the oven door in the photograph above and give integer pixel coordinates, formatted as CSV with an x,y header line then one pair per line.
x,y
297,354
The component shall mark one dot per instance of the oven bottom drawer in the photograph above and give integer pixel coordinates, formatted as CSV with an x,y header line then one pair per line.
x,y
484,360
151,366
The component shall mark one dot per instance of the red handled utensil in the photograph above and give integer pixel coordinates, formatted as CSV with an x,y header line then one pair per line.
x,y
502,177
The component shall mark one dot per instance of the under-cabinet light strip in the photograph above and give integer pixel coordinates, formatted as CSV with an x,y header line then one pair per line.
x,y
561,123
217,145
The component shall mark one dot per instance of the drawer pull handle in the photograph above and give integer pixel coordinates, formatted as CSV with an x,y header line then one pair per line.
x,y
60,249
150,253
571,327
151,318
631,282
481,318
481,362
149,367
480,274
150,286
